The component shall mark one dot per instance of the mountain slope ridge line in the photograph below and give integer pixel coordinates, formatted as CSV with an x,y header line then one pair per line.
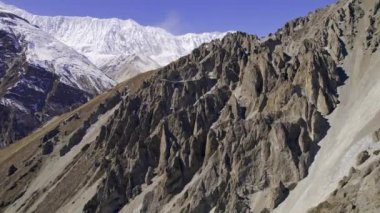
x,y
285,123
120,48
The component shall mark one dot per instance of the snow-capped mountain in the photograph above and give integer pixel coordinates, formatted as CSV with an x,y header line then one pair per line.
x,y
40,77
45,51
106,42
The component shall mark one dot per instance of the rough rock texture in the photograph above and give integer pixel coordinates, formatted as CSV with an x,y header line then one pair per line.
x,y
237,118
232,127
376,136
12,169
36,177
362,157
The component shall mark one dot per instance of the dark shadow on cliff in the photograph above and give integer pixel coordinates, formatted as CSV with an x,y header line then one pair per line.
x,y
324,122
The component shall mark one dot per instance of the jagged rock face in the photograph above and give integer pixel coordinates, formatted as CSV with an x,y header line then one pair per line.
x,y
232,127
32,93
237,119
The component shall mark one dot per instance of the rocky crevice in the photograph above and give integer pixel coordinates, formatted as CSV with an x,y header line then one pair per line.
x,y
232,127
235,118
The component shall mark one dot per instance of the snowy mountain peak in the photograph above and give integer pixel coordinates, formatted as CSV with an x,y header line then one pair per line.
x,y
105,41
40,77
45,51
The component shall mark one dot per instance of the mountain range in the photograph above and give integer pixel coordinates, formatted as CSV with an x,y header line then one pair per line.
x,y
80,56
120,48
284,123
37,71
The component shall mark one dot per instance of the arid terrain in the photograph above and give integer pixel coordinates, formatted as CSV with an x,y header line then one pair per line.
x,y
284,123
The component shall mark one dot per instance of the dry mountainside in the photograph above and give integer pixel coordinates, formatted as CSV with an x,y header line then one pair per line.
x,y
286,123
50,65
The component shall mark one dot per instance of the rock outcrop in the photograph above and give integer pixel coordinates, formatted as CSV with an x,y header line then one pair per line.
x,y
233,127
362,157
237,120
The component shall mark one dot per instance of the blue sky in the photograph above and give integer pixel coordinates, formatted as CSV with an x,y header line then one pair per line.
x,y
182,16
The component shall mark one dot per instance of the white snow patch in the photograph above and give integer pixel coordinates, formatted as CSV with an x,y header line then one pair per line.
x,y
106,41
45,51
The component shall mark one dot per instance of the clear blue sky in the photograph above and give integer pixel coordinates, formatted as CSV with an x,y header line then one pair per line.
x,y
181,16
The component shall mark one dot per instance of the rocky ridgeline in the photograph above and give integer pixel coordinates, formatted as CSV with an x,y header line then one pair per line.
x,y
232,127
236,119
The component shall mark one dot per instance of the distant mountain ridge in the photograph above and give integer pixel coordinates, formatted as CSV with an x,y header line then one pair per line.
x,y
40,77
51,64
111,44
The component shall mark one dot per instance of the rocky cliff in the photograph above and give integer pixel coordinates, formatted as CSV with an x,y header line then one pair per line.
x,y
231,127
242,124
